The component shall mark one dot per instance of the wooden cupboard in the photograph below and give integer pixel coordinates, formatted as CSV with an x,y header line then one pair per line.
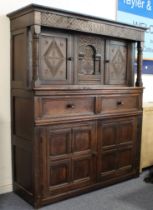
x,y
76,110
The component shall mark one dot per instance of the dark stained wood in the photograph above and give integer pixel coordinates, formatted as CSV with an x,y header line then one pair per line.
x,y
116,63
55,58
117,143
61,107
139,64
90,60
76,114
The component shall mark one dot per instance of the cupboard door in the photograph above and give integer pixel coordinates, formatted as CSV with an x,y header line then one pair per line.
x,y
89,59
55,58
117,142
116,63
68,158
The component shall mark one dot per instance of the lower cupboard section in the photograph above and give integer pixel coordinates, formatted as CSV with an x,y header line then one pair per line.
x,y
78,156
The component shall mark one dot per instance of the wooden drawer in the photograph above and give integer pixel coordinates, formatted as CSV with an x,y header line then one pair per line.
x,y
118,103
61,107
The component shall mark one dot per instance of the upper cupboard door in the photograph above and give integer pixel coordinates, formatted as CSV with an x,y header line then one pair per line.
x,y
117,63
55,58
89,59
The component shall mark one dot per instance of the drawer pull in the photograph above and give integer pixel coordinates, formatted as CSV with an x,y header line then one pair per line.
x,y
70,106
120,103
107,61
69,58
94,153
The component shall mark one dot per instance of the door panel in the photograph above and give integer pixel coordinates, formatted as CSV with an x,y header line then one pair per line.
x,y
55,63
117,142
59,173
116,64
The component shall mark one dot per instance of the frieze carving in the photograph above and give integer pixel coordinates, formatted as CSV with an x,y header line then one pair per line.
x,y
91,26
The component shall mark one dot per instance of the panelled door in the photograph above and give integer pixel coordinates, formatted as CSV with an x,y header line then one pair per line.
x,y
69,157
116,145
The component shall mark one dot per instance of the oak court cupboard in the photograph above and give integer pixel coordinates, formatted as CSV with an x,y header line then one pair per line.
x,y
76,110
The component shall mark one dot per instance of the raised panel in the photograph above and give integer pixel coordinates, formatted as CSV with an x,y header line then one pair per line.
x,y
125,158
82,169
108,135
59,142
19,58
108,161
126,132
54,63
18,53
82,139
116,65
59,173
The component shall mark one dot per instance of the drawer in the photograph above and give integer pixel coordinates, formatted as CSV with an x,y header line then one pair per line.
x,y
61,107
119,103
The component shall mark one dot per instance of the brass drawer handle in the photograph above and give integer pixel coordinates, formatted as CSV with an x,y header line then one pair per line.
x,y
70,106
120,103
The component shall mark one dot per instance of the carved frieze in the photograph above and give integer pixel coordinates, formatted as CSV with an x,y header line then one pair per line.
x,y
91,26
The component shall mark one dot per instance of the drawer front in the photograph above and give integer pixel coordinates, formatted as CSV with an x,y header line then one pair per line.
x,y
119,103
60,107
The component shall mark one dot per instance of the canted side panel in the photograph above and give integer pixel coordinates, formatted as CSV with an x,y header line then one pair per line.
x,y
54,63
116,66
19,59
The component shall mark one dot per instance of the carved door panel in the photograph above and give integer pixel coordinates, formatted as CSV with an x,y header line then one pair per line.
x,y
117,141
116,63
55,58
68,157
89,59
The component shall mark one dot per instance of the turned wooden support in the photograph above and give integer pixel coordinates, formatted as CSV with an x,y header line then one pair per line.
x,y
139,64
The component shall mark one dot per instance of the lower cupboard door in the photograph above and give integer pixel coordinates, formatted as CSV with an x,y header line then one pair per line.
x,y
117,141
69,158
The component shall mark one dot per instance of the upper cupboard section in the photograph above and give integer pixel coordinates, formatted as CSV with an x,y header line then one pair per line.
x,y
58,58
